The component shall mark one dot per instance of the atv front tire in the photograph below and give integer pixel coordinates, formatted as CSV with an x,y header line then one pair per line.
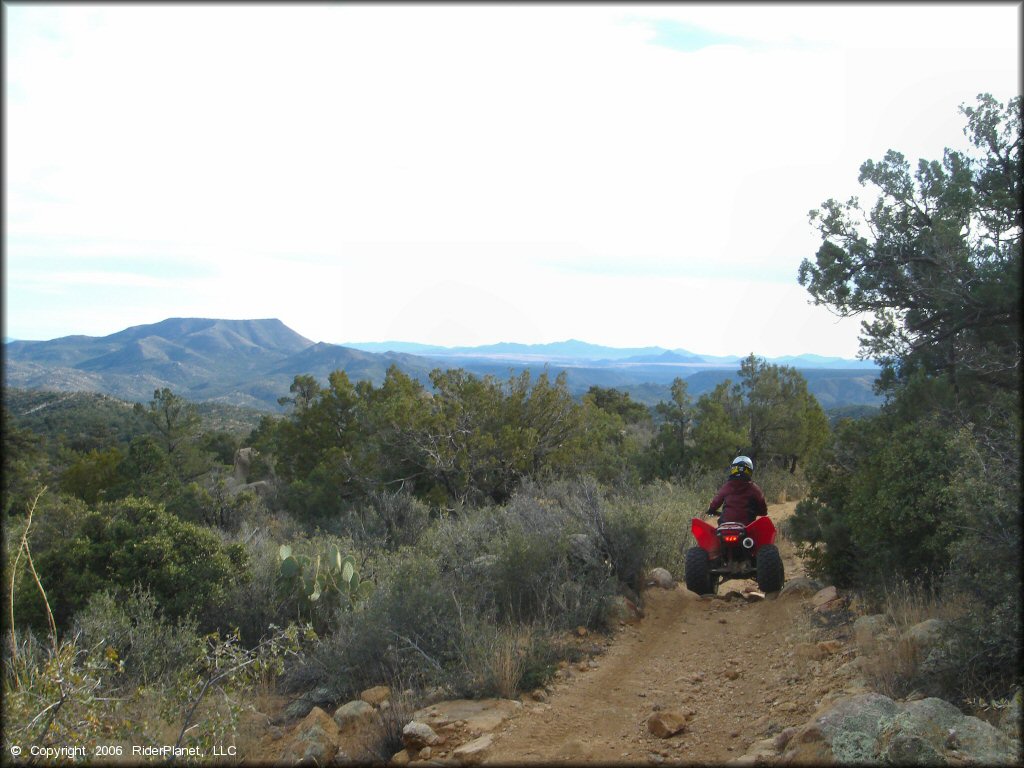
x,y
697,571
770,572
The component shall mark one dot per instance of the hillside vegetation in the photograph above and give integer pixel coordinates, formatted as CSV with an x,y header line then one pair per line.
x,y
167,563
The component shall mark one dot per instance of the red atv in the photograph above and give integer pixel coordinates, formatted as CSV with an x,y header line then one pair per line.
x,y
733,551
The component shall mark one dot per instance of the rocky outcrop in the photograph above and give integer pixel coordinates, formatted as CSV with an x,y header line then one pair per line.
x,y
874,728
242,465
476,716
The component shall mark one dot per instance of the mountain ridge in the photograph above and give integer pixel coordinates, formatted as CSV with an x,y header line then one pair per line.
x,y
253,363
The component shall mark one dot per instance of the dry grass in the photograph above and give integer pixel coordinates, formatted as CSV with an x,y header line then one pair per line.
x,y
894,669
507,660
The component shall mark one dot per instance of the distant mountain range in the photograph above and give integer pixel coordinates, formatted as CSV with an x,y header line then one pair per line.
x,y
253,362
573,351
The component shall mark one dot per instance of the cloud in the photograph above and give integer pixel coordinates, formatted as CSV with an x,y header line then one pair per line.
x,y
346,165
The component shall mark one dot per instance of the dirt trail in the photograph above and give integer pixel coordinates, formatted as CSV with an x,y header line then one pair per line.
x,y
676,659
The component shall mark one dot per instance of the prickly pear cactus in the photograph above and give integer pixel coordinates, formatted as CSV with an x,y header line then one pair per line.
x,y
327,577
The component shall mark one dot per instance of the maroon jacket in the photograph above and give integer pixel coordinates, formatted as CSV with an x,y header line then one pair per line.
x,y
743,499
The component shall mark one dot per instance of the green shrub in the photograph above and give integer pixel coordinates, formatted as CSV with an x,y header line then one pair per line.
x,y
411,627
129,632
185,567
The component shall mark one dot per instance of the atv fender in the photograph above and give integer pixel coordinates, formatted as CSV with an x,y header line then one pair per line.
x,y
762,531
706,537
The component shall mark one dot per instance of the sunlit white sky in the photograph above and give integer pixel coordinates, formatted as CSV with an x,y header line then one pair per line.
x,y
461,175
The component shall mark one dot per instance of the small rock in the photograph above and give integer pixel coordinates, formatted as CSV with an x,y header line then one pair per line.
x,y
825,595
425,754
666,724
400,758
539,694
831,606
732,674
581,631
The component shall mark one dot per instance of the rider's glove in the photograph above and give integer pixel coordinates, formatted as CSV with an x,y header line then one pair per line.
x,y
711,512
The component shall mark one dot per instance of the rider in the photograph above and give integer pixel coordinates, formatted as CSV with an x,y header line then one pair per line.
x,y
744,500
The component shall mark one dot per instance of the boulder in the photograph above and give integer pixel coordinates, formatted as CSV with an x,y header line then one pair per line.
x,y
242,464
620,609
417,735
353,716
376,696
315,740
302,706
659,577
926,634
666,724
800,586
871,727
473,751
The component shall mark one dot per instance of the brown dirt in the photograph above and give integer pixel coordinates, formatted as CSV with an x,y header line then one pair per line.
x,y
676,658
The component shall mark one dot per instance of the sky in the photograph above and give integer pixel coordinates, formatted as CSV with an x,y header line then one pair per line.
x,y
465,174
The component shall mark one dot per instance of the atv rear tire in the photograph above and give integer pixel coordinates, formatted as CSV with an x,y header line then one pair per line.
x,y
697,571
770,572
